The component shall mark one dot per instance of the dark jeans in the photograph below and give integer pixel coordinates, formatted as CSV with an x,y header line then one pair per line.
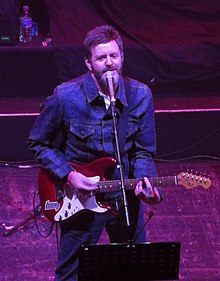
x,y
86,228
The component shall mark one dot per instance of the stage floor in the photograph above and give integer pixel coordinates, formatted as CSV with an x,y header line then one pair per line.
x,y
188,216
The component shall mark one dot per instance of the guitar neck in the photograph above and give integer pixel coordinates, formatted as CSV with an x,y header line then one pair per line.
x,y
115,185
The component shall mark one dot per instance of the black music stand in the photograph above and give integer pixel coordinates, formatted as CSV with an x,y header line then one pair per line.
x,y
130,262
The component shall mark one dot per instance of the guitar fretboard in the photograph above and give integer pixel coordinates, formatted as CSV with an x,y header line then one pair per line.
x,y
115,185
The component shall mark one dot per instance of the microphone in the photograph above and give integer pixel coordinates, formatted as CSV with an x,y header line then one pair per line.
x,y
110,83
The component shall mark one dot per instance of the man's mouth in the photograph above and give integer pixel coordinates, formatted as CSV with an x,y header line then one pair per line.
x,y
110,69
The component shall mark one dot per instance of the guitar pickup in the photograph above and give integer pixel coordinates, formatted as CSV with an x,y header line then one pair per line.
x,y
59,193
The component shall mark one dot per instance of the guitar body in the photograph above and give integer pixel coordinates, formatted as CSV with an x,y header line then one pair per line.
x,y
59,202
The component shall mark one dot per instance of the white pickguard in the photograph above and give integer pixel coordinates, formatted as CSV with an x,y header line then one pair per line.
x,y
73,203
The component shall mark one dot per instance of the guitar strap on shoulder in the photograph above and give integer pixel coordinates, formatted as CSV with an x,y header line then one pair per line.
x,y
123,118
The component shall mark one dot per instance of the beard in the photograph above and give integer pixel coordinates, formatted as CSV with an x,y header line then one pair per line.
x,y
113,77
101,78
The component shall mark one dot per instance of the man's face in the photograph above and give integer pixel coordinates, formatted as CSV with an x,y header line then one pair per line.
x,y
105,57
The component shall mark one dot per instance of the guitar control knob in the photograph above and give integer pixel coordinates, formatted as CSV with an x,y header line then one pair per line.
x,y
66,214
69,205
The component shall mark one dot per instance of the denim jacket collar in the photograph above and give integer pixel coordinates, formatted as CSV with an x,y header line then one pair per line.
x,y
92,92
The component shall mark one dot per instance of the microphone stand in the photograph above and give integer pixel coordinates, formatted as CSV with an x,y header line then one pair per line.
x,y
123,189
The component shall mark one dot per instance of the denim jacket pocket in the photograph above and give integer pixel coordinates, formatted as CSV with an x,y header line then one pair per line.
x,y
81,130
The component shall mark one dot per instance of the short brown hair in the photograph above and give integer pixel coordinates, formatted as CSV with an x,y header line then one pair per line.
x,y
101,35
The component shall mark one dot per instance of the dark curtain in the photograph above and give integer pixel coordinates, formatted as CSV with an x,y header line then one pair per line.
x,y
166,41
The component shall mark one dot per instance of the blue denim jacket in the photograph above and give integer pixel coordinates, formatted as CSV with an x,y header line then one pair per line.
x,y
78,111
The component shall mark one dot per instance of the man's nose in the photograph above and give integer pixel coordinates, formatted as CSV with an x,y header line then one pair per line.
x,y
108,60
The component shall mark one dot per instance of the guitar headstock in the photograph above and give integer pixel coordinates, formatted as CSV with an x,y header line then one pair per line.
x,y
189,180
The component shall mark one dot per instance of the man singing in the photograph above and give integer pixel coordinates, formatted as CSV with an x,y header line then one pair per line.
x,y
81,109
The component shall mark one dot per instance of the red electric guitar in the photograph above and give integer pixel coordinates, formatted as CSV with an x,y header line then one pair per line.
x,y
60,202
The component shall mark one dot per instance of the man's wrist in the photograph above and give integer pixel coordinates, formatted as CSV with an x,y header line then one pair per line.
x,y
69,176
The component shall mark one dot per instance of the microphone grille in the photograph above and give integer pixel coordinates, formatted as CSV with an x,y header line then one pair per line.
x,y
109,74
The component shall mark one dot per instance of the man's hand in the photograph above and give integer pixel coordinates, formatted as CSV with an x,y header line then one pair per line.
x,y
147,193
80,182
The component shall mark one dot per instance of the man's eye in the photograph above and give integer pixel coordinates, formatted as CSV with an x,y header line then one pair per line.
x,y
100,58
114,56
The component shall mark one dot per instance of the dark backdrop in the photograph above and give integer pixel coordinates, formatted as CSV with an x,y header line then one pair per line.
x,y
166,41
7,22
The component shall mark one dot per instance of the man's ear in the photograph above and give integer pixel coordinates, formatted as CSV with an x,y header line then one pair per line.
x,y
88,64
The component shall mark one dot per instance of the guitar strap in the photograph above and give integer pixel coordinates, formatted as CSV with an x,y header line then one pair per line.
x,y
123,118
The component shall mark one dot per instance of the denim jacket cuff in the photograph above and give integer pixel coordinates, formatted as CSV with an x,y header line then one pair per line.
x,y
63,171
